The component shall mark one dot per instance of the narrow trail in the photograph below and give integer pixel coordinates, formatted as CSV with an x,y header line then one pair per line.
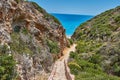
x,y
60,69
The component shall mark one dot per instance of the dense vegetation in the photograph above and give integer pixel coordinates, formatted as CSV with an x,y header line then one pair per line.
x,y
88,68
7,67
98,48
7,64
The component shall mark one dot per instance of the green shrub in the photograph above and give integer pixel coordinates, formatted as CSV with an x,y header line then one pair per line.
x,y
53,47
73,55
3,49
70,41
74,68
116,69
117,19
7,67
96,59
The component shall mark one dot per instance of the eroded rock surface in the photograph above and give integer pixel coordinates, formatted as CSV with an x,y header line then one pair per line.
x,y
32,36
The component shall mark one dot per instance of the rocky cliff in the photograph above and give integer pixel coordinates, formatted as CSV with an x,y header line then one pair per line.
x,y
98,47
32,37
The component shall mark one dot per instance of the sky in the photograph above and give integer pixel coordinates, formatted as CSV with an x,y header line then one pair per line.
x,y
83,7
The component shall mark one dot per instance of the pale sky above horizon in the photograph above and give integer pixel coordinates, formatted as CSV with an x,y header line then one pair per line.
x,y
83,7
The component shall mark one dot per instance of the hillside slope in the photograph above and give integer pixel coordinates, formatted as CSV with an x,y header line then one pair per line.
x,y
98,48
30,40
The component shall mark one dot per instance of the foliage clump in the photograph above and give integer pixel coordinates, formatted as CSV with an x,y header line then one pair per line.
x,y
7,64
7,67
88,69
53,47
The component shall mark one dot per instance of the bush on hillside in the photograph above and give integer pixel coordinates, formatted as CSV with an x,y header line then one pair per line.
x,y
7,67
53,47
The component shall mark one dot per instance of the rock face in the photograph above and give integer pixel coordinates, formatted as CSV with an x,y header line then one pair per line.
x,y
98,43
32,36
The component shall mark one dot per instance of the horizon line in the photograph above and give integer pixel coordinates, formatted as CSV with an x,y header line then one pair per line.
x,y
73,14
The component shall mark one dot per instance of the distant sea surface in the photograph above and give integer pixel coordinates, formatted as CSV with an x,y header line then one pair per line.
x,y
70,21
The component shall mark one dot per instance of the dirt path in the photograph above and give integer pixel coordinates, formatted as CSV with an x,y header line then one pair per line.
x,y
60,67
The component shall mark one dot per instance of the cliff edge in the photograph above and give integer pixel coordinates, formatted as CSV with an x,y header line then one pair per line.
x,y
32,37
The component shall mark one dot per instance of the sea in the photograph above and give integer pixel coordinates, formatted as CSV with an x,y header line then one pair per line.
x,y
71,21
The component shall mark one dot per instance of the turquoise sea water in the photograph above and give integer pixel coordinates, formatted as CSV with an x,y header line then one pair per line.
x,y
70,22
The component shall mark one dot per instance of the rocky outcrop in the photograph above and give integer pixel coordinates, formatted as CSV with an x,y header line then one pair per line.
x,y
32,36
